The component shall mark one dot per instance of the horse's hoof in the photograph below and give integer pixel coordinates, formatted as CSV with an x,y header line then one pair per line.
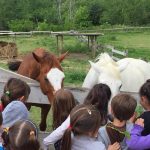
x,y
42,127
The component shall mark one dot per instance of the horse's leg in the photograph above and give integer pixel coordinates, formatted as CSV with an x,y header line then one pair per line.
x,y
44,112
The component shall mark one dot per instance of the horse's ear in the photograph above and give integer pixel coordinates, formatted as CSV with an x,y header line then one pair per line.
x,y
61,58
36,57
95,67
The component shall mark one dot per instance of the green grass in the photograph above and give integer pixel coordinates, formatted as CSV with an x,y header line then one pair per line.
x,y
35,116
137,43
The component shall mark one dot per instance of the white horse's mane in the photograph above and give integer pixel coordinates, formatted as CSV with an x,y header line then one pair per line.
x,y
104,59
108,64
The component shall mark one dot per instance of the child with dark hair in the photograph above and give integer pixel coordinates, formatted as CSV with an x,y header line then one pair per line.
x,y
123,108
145,102
15,89
21,136
85,121
15,95
98,96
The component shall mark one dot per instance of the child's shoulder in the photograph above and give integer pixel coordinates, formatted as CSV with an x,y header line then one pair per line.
x,y
129,126
145,114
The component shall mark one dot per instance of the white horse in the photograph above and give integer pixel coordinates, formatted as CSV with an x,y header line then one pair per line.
x,y
128,74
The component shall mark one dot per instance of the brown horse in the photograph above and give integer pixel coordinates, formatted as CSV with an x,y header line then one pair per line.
x,y
45,68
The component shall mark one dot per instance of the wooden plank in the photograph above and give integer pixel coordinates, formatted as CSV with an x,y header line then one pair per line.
x,y
36,95
123,53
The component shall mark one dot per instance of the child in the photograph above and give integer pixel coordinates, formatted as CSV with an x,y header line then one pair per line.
x,y
21,136
15,89
85,121
13,112
15,94
122,107
145,102
98,96
1,130
62,105
136,141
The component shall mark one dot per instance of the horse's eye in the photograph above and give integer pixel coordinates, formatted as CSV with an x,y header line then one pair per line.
x,y
45,79
120,86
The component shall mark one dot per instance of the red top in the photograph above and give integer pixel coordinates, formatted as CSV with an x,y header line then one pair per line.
x,y
1,107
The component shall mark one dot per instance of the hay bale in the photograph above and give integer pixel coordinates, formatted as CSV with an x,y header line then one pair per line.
x,y
8,50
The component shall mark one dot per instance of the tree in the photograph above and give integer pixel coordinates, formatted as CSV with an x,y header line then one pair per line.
x,y
95,12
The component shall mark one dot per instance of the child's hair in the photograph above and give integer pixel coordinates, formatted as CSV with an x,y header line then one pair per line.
x,y
14,89
145,90
84,120
99,96
21,136
1,119
123,106
62,105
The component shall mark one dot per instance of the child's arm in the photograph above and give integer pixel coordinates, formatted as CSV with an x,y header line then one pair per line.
x,y
137,141
57,134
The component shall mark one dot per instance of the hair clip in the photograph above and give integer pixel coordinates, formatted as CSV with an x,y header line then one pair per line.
x,y
6,130
32,133
70,127
89,111
8,93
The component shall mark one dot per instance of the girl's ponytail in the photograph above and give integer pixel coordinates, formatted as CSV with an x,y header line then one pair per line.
x,y
5,138
66,140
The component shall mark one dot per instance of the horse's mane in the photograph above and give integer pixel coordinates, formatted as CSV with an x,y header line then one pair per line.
x,y
104,59
108,65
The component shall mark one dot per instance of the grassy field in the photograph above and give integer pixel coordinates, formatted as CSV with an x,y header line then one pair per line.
x,y
137,43
76,64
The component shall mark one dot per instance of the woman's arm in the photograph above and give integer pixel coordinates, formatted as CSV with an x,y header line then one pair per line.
x,y
57,134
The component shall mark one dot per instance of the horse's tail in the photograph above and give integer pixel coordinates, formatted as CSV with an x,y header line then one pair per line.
x,y
14,64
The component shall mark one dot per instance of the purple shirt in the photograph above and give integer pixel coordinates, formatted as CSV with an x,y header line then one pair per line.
x,y
136,141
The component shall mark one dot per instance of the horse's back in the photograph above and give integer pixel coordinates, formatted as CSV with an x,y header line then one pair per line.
x,y
29,67
136,73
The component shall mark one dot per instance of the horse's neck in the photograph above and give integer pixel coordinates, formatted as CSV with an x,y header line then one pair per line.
x,y
29,68
90,79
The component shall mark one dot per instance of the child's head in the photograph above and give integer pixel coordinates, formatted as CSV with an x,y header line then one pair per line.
x,y
62,105
14,112
123,106
84,120
15,89
21,136
145,94
99,96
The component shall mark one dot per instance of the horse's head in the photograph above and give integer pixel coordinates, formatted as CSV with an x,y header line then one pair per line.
x,y
51,75
106,71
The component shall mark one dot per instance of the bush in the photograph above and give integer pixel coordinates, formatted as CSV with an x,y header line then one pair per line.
x,y
21,25
43,26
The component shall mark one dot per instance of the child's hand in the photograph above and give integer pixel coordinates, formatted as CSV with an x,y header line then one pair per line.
x,y
140,122
133,118
115,146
